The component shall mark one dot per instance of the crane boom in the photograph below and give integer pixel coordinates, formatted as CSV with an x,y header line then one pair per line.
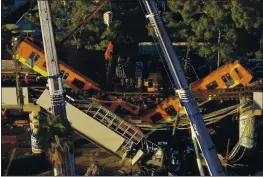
x,y
185,93
54,77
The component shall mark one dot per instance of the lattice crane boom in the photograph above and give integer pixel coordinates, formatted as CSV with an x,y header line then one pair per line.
x,y
54,77
183,90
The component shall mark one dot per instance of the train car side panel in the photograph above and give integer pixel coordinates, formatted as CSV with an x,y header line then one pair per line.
x,y
228,76
33,57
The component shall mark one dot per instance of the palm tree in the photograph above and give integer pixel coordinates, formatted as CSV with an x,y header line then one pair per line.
x,y
54,136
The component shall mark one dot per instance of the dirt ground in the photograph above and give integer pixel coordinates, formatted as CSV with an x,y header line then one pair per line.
x,y
110,163
25,163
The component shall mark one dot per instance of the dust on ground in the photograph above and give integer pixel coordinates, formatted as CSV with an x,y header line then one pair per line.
x,y
109,162
26,163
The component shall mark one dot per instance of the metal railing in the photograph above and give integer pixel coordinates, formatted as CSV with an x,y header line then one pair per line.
x,y
130,133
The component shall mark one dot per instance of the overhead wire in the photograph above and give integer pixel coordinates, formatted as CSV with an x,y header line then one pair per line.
x,y
184,123
241,156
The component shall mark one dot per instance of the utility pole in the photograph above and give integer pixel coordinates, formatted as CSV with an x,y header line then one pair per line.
x,y
185,93
54,78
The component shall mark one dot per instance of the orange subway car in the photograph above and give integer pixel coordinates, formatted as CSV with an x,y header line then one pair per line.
x,y
165,111
227,76
31,55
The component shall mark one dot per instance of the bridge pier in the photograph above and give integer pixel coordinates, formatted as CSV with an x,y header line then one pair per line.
x,y
246,126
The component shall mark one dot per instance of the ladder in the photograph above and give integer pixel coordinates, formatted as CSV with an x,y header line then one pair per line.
x,y
129,132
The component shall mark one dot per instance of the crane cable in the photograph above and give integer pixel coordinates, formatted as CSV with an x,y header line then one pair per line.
x,y
212,119
181,126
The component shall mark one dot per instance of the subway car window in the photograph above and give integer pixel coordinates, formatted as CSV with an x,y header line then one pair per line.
x,y
35,58
171,111
213,85
65,76
32,59
239,73
79,84
228,80
156,117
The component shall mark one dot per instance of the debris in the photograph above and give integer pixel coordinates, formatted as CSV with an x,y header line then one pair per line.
x,y
94,169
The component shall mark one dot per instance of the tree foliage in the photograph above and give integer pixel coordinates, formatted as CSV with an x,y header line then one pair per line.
x,y
54,135
217,23
94,35
247,13
259,53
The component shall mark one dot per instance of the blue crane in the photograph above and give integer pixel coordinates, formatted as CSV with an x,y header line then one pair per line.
x,y
54,78
185,93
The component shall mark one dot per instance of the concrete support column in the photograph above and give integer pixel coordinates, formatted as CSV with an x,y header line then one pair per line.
x,y
246,127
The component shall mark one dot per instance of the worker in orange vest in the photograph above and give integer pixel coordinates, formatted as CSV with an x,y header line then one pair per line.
x,y
109,51
108,56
